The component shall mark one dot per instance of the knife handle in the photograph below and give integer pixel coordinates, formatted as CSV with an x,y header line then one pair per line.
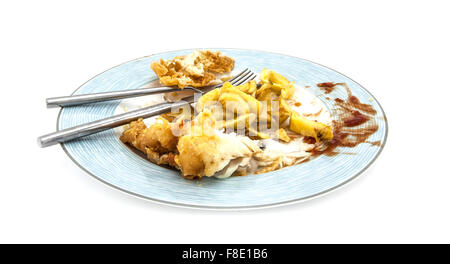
x,y
106,123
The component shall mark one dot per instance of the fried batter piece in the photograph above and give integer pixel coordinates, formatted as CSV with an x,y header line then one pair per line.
x,y
156,141
196,69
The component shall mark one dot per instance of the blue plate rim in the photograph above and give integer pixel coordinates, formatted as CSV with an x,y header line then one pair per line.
x,y
205,207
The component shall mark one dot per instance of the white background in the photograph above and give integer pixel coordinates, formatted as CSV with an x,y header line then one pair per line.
x,y
398,50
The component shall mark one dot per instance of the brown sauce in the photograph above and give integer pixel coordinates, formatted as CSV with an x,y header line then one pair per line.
x,y
351,127
355,119
309,140
327,87
354,101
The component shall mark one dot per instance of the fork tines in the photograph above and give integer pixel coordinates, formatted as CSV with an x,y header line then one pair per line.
x,y
242,77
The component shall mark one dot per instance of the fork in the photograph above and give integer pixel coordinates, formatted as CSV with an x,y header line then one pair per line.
x,y
83,130
107,96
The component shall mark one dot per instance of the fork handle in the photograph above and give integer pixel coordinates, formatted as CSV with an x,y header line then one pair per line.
x,y
98,97
106,123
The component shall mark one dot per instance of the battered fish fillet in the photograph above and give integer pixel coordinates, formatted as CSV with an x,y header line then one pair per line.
x,y
200,150
205,154
196,69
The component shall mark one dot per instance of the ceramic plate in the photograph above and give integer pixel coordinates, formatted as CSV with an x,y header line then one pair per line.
x,y
106,158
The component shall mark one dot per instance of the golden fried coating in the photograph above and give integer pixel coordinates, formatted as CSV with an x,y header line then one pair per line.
x,y
157,141
205,154
196,69
215,61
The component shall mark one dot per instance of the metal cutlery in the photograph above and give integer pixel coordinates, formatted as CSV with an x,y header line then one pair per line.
x,y
122,119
